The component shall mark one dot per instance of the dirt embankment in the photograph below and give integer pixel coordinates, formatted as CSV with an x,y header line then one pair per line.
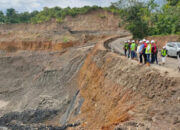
x,y
122,94
51,35
35,45
162,40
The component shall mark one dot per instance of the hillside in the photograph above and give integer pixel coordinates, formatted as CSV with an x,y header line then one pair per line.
x,y
53,36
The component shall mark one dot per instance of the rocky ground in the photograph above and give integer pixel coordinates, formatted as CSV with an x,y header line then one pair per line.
x,y
37,86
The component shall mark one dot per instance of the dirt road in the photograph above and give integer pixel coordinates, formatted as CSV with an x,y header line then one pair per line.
x,y
118,44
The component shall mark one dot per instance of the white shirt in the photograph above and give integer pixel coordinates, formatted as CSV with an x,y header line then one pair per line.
x,y
138,49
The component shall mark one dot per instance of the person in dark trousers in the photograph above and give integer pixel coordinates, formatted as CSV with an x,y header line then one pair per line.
x,y
129,48
144,54
148,52
154,54
141,51
133,49
125,48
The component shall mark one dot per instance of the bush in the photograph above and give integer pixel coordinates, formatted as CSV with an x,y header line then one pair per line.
x,y
59,20
66,39
102,16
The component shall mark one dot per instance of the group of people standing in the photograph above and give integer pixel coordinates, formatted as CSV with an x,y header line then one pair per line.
x,y
144,50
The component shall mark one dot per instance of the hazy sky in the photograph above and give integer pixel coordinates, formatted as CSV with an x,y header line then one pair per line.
x,y
30,5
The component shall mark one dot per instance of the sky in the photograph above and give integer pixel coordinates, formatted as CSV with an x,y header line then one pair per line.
x,y
31,5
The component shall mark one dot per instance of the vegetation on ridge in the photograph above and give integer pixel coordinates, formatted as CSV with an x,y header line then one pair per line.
x,y
12,16
145,19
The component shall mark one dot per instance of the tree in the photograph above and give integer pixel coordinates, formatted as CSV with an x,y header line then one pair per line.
x,y
173,2
169,18
24,17
135,14
144,19
2,17
11,16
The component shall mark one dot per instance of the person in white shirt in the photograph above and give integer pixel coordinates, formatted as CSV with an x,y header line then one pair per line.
x,y
138,50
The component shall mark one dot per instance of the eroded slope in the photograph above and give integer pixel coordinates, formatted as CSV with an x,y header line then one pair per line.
x,y
122,94
37,86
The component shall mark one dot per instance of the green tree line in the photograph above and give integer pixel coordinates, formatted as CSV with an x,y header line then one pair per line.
x,y
12,16
141,18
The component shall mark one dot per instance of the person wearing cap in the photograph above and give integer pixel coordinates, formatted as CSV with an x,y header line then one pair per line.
x,y
148,52
163,55
144,50
133,49
125,48
154,52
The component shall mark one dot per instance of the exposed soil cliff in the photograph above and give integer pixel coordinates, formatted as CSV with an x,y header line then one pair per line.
x,y
51,35
121,94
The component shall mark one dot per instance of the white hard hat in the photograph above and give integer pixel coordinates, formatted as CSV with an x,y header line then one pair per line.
x,y
144,40
147,41
133,40
164,47
152,41
128,40
140,41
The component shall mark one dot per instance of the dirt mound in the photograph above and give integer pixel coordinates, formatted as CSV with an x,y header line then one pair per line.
x,y
94,21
